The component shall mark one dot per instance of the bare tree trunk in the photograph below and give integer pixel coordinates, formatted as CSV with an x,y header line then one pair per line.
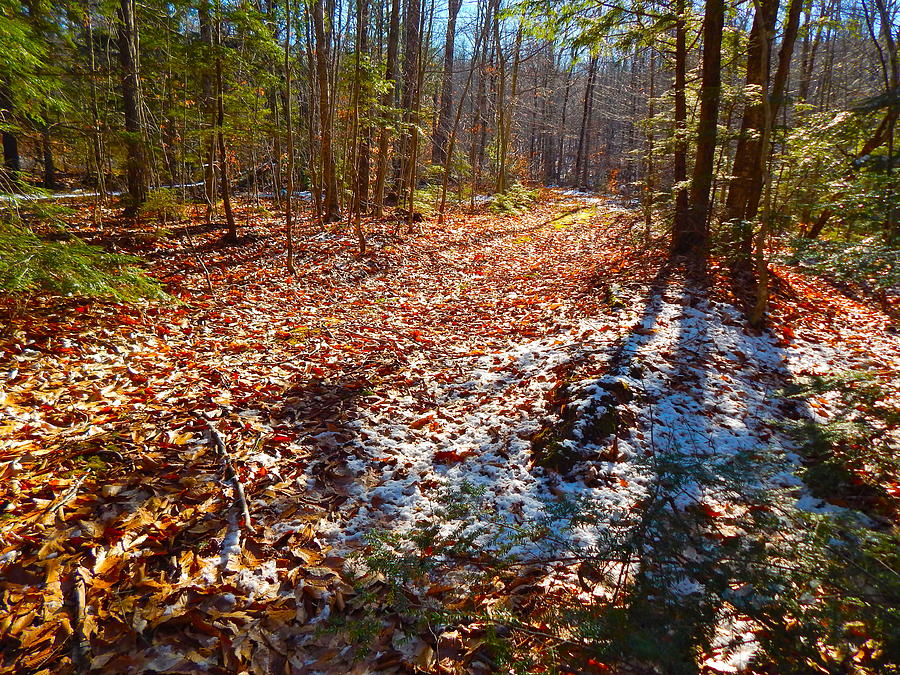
x,y
136,160
649,147
747,178
49,181
331,210
410,94
289,124
231,234
584,134
11,162
506,110
96,135
561,143
360,126
693,239
679,159
442,130
387,99
482,35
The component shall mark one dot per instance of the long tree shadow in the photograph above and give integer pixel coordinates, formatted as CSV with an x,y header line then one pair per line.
x,y
685,409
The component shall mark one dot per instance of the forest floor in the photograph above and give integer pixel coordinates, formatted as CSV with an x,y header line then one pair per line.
x,y
522,359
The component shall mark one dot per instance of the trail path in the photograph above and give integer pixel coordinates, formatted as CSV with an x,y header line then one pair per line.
x,y
351,399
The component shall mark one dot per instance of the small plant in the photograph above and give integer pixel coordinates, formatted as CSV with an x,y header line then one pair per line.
x,y
651,591
517,199
30,265
165,205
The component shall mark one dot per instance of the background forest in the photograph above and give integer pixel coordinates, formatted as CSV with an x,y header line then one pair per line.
x,y
755,116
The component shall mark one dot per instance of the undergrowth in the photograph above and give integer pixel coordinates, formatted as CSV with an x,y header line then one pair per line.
x,y
517,199
65,265
867,264
855,455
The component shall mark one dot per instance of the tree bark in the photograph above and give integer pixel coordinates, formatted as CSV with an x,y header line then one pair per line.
x,y
224,179
11,162
208,107
442,130
97,131
679,159
136,160
693,239
410,94
584,134
289,129
331,206
746,178
387,100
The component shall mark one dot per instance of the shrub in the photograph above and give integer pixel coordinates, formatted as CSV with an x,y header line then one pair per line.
x,y
164,204
29,264
517,199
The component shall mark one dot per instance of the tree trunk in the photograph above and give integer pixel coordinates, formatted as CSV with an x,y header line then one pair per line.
x,y
208,107
387,99
49,181
410,94
442,130
361,125
693,239
331,210
649,148
584,134
224,179
289,128
136,160
679,159
747,179
97,131
11,162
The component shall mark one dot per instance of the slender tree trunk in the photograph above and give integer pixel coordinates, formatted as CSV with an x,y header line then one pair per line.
x,y
693,239
442,130
500,179
584,133
136,160
561,142
49,181
364,160
97,132
410,93
387,99
331,211
679,159
479,114
649,147
289,124
224,179
508,108
360,124
208,107
482,35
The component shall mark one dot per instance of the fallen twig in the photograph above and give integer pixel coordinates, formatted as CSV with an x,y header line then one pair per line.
x,y
81,645
69,495
230,473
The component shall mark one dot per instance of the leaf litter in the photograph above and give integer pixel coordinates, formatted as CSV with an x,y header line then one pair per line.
x,y
183,485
